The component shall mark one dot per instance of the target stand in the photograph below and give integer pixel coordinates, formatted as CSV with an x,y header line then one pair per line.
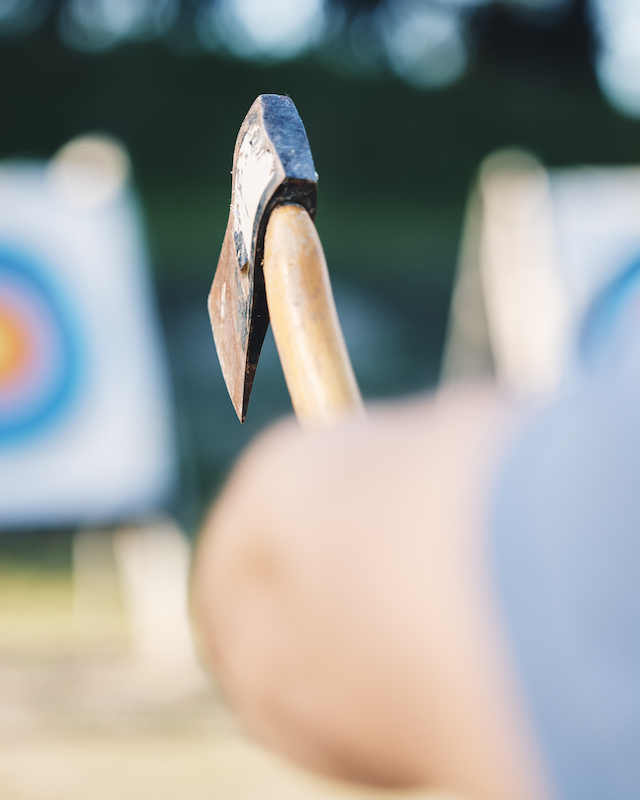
x,y
86,433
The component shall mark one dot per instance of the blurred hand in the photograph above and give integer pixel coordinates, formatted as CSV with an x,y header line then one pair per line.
x,y
342,584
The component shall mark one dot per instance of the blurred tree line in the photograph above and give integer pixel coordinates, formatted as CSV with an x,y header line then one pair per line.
x,y
395,165
395,162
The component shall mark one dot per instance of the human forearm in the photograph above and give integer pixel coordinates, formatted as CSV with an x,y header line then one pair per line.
x,y
348,610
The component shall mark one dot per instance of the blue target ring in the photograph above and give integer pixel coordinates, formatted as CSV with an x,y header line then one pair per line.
x,y
39,349
613,318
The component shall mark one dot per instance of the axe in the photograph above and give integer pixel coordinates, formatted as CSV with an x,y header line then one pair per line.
x,y
272,267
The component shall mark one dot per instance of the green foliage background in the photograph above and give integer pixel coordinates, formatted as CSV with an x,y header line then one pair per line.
x,y
395,167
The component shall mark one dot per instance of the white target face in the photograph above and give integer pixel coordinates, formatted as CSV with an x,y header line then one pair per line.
x,y
39,353
85,414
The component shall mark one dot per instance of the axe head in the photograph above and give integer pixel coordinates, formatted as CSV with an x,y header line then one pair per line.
x,y
272,165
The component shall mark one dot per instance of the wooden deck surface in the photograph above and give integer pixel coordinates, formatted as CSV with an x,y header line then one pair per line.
x,y
80,719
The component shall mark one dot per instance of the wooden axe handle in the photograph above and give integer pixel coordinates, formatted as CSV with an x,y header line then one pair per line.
x,y
305,324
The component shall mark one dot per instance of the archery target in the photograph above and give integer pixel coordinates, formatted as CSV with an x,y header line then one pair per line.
x,y
38,354
86,433
597,224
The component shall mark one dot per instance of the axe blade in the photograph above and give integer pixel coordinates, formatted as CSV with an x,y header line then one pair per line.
x,y
272,165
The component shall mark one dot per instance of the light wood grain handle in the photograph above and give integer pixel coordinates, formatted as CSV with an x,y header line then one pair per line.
x,y
305,324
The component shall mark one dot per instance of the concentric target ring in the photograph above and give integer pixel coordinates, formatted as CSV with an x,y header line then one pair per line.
x,y
39,350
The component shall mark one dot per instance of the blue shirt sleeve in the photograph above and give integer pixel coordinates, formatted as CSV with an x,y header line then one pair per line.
x,y
566,552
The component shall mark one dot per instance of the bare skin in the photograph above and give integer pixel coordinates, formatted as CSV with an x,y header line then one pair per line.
x,y
343,588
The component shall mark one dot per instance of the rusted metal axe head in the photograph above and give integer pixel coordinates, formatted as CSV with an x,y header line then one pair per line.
x,y
272,165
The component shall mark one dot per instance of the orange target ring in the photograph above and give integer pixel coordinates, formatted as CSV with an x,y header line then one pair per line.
x,y
14,345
